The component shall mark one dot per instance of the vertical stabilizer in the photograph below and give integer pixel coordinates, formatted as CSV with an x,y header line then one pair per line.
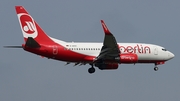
x,y
30,28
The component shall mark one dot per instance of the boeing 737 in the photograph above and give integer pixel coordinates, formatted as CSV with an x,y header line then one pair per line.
x,y
105,56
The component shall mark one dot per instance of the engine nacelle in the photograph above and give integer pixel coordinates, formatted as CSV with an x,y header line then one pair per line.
x,y
107,66
128,58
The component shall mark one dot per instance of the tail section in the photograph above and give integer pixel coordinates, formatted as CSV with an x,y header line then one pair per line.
x,y
30,28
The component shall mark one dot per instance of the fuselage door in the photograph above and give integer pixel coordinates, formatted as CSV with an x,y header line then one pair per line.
x,y
55,49
155,51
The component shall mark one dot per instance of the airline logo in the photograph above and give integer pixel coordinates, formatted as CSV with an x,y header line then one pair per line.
x,y
128,57
135,49
28,25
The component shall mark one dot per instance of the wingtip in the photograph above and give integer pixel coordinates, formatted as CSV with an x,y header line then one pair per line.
x,y
102,21
105,28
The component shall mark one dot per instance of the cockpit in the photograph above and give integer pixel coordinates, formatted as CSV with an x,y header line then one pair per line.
x,y
165,54
164,49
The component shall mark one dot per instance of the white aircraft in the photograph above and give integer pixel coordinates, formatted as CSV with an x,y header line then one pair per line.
x,y
106,56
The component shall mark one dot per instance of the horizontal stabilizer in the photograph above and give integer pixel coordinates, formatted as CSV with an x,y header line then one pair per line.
x,y
32,43
12,46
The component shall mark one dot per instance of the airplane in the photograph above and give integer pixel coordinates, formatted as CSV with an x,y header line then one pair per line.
x,y
105,56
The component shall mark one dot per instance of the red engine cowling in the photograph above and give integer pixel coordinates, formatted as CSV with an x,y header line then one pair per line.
x,y
128,58
107,66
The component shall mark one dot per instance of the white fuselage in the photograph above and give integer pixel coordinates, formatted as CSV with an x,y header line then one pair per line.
x,y
143,51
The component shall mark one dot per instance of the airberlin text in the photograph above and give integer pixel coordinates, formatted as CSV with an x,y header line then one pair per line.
x,y
135,49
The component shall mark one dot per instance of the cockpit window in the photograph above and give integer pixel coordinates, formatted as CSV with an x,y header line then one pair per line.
x,y
164,49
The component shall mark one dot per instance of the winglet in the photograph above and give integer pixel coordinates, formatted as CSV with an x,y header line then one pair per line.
x,y
105,28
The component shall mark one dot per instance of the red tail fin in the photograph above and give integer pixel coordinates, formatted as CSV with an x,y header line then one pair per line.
x,y
30,28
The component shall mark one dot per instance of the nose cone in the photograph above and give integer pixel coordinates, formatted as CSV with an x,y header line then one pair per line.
x,y
170,55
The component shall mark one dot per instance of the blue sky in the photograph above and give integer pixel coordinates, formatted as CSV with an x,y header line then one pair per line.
x,y
28,77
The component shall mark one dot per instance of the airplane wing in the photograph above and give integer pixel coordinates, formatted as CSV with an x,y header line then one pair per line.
x,y
109,50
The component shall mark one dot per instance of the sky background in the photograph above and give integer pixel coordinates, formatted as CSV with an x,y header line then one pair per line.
x,y
28,77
